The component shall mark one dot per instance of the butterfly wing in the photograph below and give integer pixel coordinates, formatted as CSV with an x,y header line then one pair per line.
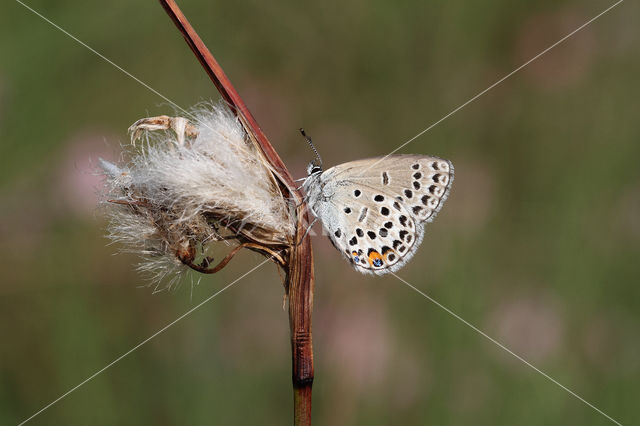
x,y
375,209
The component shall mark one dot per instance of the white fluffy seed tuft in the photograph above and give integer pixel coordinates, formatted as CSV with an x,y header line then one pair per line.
x,y
176,195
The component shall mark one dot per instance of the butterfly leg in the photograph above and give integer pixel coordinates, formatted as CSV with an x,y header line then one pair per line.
x,y
308,229
179,125
304,200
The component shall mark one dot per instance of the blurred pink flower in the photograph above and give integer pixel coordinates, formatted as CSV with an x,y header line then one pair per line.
x,y
358,342
528,325
79,182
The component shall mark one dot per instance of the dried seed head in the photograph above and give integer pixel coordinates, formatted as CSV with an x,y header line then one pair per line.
x,y
177,193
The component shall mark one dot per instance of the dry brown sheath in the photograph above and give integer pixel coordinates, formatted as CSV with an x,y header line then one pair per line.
x,y
299,259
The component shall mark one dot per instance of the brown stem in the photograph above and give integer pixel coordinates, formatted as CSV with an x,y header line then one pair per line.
x,y
224,86
300,278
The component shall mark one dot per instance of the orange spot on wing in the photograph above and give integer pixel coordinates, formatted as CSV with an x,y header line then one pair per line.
x,y
373,256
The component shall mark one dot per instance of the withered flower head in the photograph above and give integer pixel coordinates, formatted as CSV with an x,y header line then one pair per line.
x,y
191,185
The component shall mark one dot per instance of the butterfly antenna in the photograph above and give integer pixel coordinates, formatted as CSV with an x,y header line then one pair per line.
x,y
308,139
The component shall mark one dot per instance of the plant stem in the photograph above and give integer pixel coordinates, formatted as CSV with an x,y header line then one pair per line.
x,y
300,276
301,280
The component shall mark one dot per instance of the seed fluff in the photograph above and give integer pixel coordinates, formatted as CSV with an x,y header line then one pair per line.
x,y
183,189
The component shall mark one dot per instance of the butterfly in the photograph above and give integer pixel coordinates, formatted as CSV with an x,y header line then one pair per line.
x,y
374,210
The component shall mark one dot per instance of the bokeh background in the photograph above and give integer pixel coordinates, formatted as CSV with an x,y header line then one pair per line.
x,y
538,245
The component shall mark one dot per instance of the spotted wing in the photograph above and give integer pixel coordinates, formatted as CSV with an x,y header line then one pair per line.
x,y
377,207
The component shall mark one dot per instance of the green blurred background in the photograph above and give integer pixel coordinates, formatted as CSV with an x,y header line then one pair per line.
x,y
538,245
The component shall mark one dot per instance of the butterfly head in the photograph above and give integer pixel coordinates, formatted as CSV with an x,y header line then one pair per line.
x,y
313,168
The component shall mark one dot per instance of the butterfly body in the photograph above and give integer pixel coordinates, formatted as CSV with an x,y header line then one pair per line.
x,y
374,210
